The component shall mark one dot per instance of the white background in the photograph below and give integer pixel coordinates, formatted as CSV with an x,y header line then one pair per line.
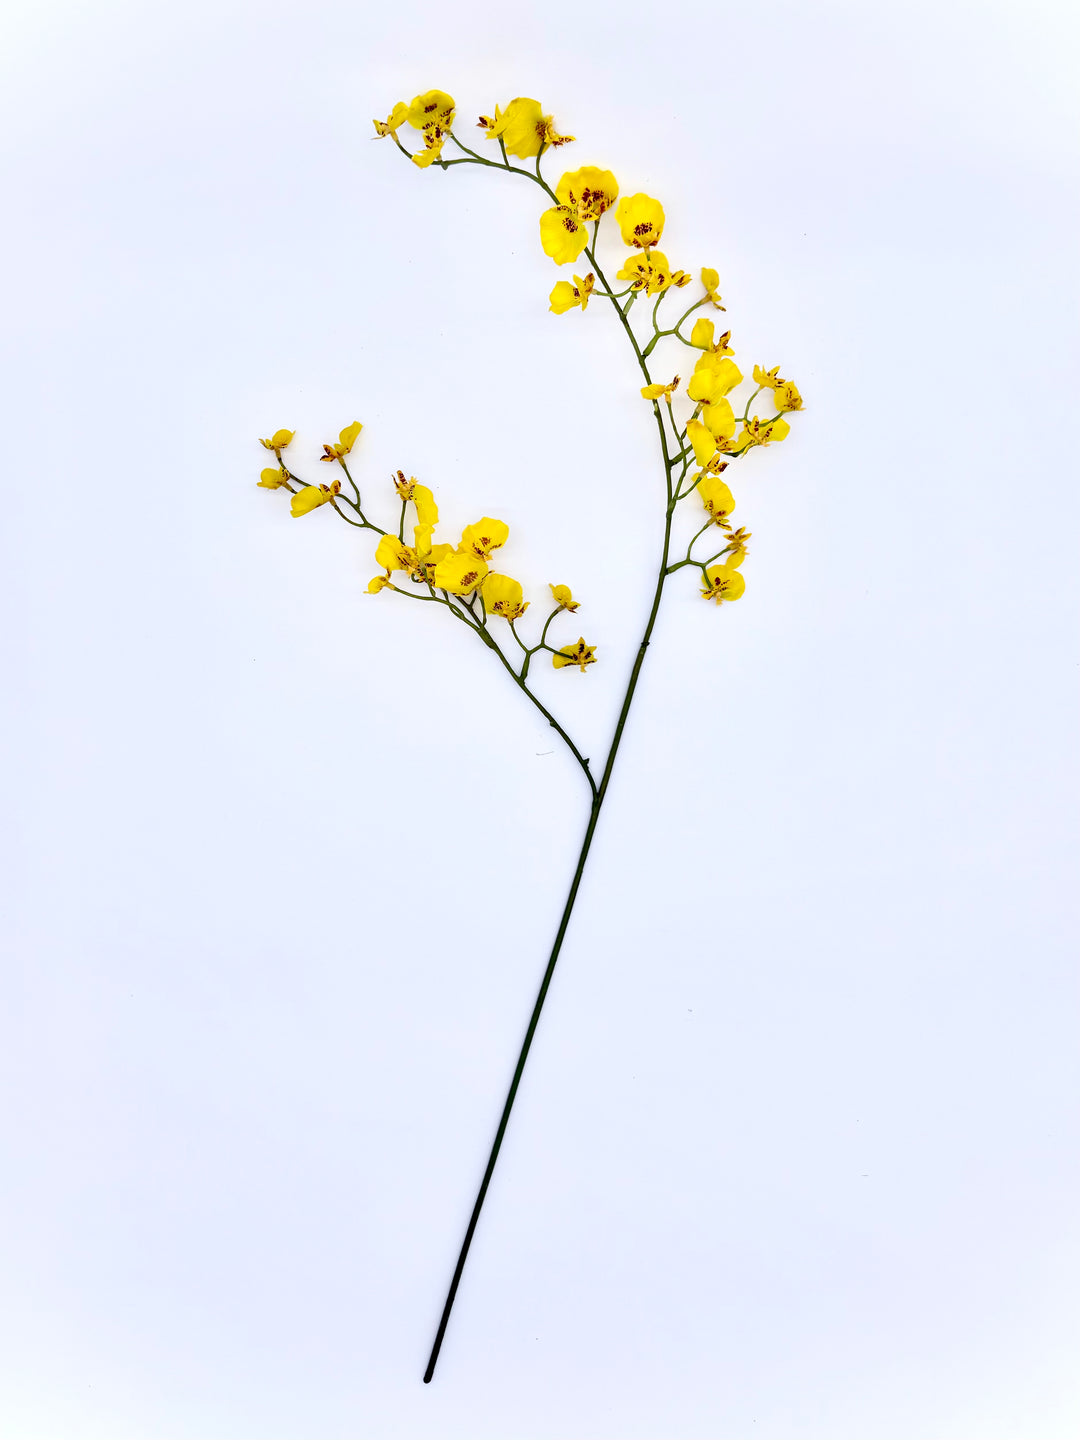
x,y
795,1155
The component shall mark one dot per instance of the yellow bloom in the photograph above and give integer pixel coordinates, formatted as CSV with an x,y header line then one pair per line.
x,y
579,654
786,396
588,192
523,128
719,419
702,334
271,479
312,496
649,272
641,221
704,444
278,440
483,537
763,432
710,279
723,582
502,596
657,392
737,548
459,573
346,440
404,487
377,583
432,110
565,296
562,234
393,122
767,378
434,140
427,512
563,597
713,377
391,554
716,497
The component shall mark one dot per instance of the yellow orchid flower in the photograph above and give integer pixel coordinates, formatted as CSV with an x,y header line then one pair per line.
x,y
703,442
278,440
460,572
483,537
641,221
434,140
786,396
767,378
562,234
579,655
658,392
312,496
719,419
377,583
404,487
393,122
711,279
502,596
427,512
432,110
563,598
588,192
737,548
723,582
523,128
701,336
565,296
716,497
272,479
713,377
346,440
649,272
763,432
392,554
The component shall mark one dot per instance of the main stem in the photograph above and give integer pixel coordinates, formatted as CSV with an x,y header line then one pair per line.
x,y
560,935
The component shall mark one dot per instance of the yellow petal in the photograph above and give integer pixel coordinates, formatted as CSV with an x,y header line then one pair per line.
x,y
483,537
460,572
427,512
702,334
703,443
271,479
562,235
563,297
377,583
349,435
719,419
641,220
308,499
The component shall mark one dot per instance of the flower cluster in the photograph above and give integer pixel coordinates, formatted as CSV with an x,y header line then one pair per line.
x,y
459,576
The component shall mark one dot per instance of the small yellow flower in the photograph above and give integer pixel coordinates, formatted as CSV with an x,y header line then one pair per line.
x,y
483,537
523,128
713,377
562,234
427,512
404,487
377,583
649,272
588,192
703,442
579,655
565,296
393,122
460,572
786,396
702,335
719,419
737,548
432,110
312,496
641,221
434,140
563,597
502,596
391,554
716,497
346,440
763,432
710,279
723,582
657,392
278,440
271,479
767,378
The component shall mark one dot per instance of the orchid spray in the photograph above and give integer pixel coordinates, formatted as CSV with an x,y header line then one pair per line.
x,y
698,436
